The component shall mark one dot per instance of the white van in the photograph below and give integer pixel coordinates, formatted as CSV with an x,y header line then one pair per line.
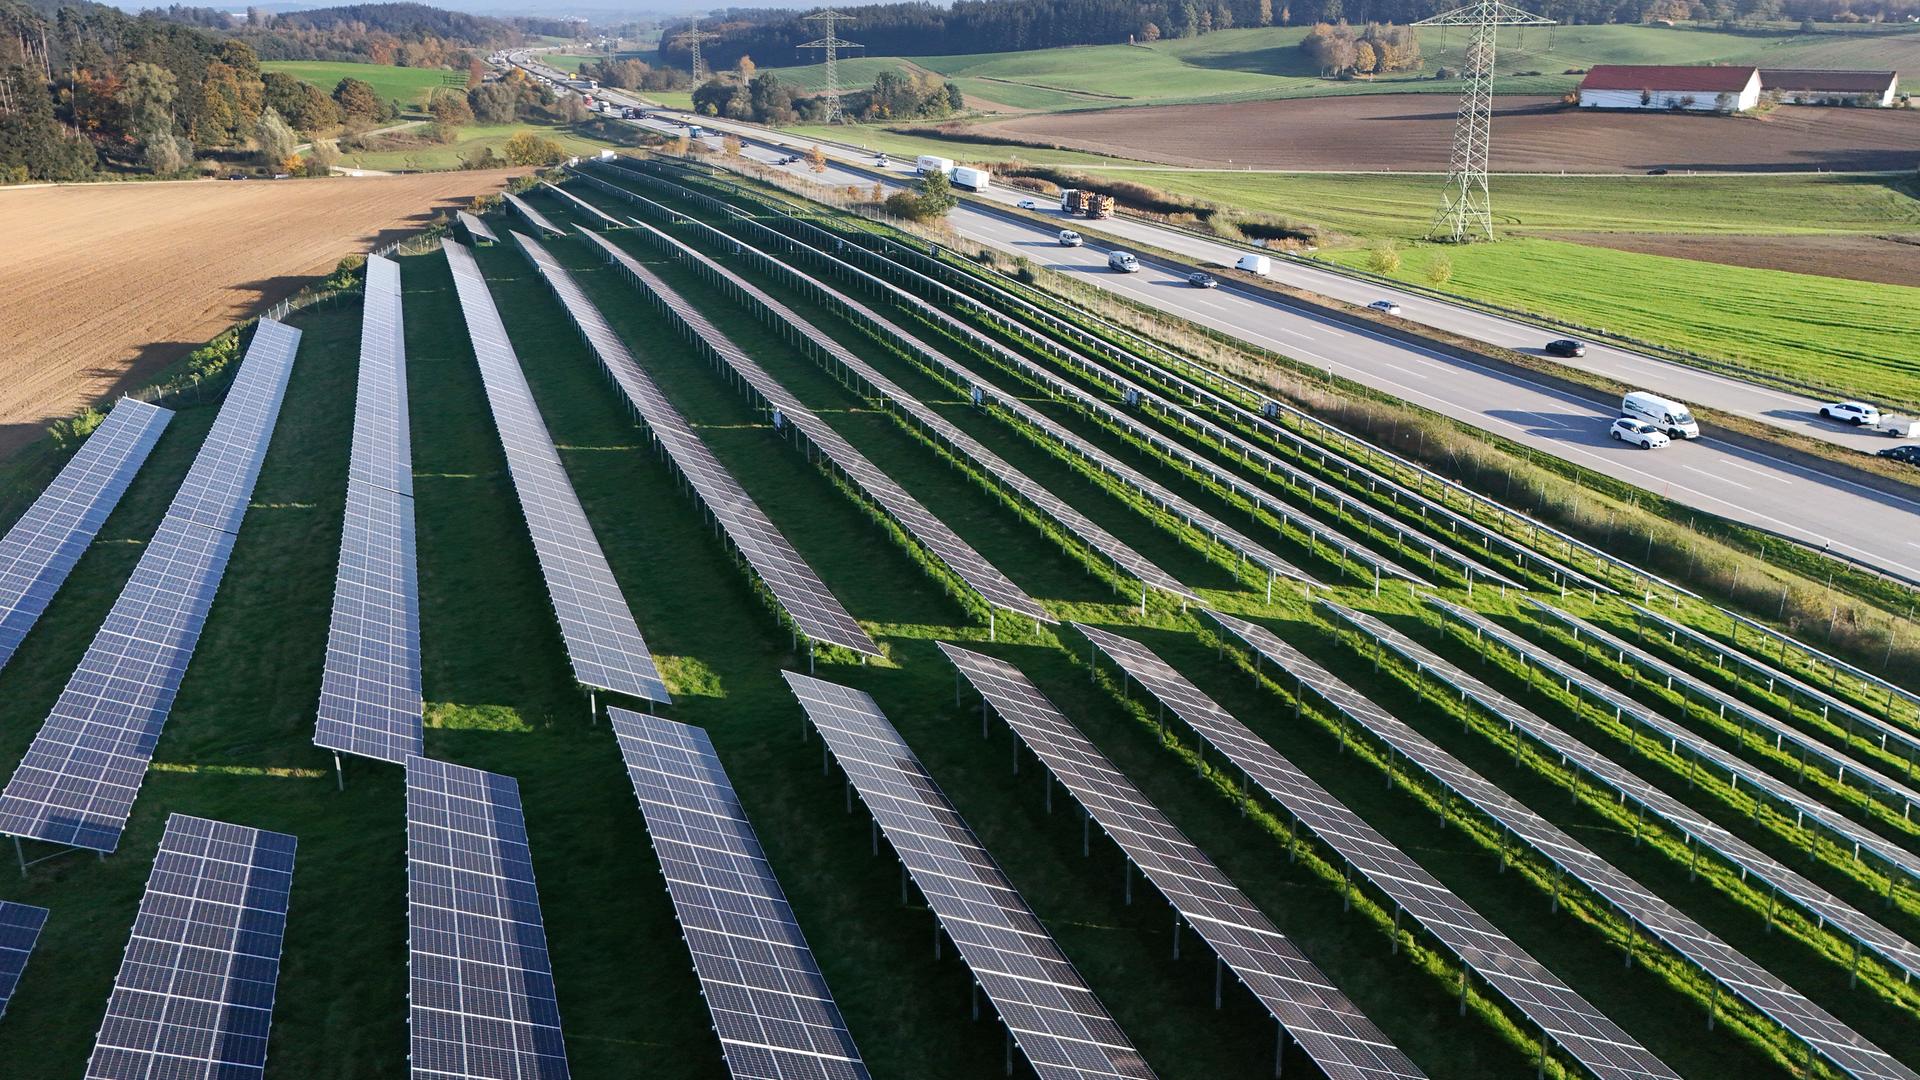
x,y
1255,264
1123,262
1069,238
1670,417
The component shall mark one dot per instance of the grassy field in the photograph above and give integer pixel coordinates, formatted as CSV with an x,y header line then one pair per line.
x,y
408,86
500,697
419,155
878,138
1832,331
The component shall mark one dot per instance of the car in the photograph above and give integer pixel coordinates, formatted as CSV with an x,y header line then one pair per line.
x,y
1909,453
1200,279
1656,172
1565,347
1858,413
1646,436
1027,204
1385,307
1069,238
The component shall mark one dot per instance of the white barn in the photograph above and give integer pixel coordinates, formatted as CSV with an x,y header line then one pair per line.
x,y
1798,86
1691,89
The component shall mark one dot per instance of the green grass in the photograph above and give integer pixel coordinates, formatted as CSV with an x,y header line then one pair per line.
x,y
408,86
877,138
1831,331
422,156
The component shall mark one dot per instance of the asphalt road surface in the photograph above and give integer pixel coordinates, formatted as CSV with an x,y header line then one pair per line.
x,y
1805,504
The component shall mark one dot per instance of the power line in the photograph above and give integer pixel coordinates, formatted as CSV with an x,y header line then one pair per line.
x,y
1466,209
691,38
832,44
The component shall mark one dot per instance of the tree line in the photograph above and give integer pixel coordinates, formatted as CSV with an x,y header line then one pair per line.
x,y
745,93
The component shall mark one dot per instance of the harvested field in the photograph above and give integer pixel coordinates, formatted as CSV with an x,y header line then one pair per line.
x,y
1407,132
104,284
1889,260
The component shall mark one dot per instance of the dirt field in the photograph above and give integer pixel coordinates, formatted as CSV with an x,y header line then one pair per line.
x,y
1414,133
1862,258
102,284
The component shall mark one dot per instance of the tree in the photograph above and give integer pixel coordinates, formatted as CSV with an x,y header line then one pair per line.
x,y
1384,258
299,102
166,154
1150,32
730,146
275,140
936,194
816,159
449,108
321,158
1364,58
33,146
483,158
356,100
747,68
528,148
147,95
1263,13
494,103
1439,270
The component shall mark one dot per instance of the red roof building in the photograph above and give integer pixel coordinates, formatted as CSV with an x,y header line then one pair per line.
x,y
1692,89
1801,86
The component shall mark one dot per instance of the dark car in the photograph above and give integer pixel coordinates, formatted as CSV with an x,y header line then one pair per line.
x,y
1565,347
1656,172
1201,280
1908,453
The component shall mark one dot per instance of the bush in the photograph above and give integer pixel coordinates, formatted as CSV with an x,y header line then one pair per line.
x,y
1439,270
527,148
74,429
1384,258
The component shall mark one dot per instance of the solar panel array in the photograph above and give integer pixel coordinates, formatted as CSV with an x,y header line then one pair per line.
x,y
370,696
1105,409
481,1004
77,782
1813,1026
1844,766
815,611
478,231
1316,1013
599,216
1053,1016
534,217
1817,657
603,642
1170,501
1123,556
771,1007
19,931
1695,826
45,543
194,996
1594,1041
1739,770
920,523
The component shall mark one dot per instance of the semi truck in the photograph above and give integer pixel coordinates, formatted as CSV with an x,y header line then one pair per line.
x,y
1079,202
972,179
929,163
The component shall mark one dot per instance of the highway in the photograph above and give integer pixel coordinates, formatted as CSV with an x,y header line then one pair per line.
x,y
1804,504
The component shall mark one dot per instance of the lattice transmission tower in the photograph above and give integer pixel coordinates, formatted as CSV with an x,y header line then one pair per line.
x,y
1466,210
831,43
691,38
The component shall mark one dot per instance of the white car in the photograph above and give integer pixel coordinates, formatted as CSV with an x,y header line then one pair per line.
x,y
1852,412
1385,307
1069,238
1027,204
1647,437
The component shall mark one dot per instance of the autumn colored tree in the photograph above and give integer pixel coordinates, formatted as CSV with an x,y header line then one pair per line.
x,y
817,159
356,100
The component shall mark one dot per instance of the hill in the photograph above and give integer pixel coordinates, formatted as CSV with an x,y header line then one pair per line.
x,y
408,86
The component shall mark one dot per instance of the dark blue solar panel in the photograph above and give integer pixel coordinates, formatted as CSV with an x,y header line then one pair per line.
x,y
19,929
42,547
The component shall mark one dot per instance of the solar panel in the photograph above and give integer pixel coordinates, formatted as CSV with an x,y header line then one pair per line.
x,y
19,931
599,216
534,217
478,231
1035,495
1316,1013
815,611
1818,1030
194,996
481,1004
77,782
1815,656
920,523
895,259
370,696
603,642
771,1007
1699,830
1171,502
1051,1013
45,543
1845,767
1877,730
1594,1041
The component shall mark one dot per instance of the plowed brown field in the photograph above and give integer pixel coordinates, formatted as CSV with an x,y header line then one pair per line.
x,y
1414,132
103,284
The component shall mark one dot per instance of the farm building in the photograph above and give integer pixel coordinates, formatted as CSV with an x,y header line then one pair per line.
x,y
1798,86
1696,89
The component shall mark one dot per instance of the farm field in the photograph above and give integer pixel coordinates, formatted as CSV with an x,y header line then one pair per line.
x,y
105,284
880,139
500,696
412,153
408,86
1413,133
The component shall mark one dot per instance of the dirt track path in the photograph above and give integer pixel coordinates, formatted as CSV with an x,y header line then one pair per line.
x,y
103,284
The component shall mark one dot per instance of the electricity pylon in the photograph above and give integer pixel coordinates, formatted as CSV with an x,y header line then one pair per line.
x,y
1466,210
691,38
832,44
